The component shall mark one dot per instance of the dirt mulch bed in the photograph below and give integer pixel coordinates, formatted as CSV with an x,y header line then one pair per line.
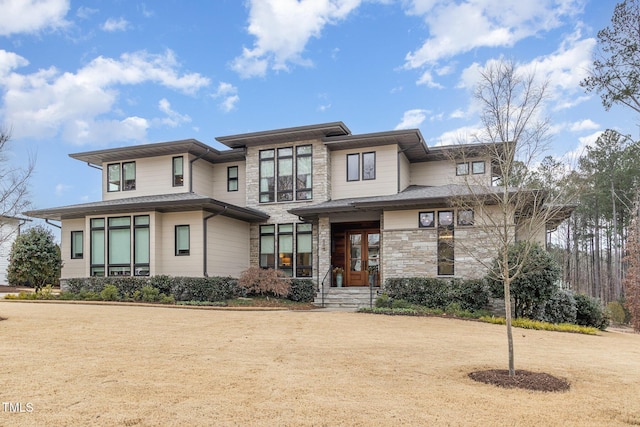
x,y
537,381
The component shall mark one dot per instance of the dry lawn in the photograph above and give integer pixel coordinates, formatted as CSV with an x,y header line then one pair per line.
x,y
154,366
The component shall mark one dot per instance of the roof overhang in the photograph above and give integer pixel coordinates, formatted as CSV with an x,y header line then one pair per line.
x,y
182,202
190,146
300,133
409,142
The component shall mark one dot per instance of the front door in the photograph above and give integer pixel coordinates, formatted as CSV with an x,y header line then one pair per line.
x,y
363,251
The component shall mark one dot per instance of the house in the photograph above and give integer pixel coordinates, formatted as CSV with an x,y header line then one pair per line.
x,y
303,200
9,229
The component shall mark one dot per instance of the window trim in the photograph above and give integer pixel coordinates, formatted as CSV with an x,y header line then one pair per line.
x,y
299,267
137,265
124,180
174,175
281,194
270,193
231,179
109,228
109,182
92,228
374,166
74,253
298,156
186,252
263,234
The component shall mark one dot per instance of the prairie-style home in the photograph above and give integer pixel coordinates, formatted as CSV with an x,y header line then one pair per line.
x,y
304,200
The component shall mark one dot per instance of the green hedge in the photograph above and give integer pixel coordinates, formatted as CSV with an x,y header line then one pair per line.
x,y
181,288
301,290
437,293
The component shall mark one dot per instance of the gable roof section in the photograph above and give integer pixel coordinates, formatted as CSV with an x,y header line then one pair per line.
x,y
180,202
300,133
191,146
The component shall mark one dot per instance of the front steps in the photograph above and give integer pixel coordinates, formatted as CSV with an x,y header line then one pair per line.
x,y
347,297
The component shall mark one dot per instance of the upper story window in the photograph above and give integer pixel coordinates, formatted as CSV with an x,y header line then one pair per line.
x,y
462,169
121,176
477,167
368,166
178,171
232,178
281,163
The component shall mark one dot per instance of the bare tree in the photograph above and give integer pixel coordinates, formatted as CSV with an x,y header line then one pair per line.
x,y
14,189
512,207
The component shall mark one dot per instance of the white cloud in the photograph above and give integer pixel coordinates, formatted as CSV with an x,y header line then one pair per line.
x,y
462,135
427,79
82,106
62,188
85,12
282,29
31,16
112,25
412,119
173,118
457,27
587,124
229,95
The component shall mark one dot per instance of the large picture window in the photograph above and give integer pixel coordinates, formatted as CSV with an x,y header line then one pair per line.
x,y
267,246
141,245
183,243
97,247
77,245
119,244
285,174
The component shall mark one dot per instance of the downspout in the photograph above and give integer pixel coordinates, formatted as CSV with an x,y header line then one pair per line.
x,y
191,170
204,233
22,222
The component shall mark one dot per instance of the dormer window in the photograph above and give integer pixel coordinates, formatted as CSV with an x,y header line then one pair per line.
x,y
121,175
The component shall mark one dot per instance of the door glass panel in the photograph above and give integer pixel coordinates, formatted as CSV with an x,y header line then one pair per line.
x,y
355,252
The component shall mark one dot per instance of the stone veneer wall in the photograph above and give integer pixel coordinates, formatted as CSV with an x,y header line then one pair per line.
x,y
278,211
414,252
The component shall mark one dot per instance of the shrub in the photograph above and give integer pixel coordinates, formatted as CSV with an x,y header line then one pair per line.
x,y
439,293
560,307
589,312
301,290
109,293
34,259
150,294
259,281
383,301
533,286
400,303
618,313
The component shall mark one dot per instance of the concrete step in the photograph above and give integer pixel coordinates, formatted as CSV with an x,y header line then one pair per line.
x,y
354,297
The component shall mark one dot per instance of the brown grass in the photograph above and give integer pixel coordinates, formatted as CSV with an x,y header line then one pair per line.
x,y
153,366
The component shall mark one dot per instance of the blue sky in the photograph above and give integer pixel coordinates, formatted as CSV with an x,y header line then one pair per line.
x,y
85,75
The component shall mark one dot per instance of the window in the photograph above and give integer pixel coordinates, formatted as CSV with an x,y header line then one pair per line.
x,y
462,169
279,239
113,177
477,167
129,176
368,166
178,171
141,245
267,246
182,240
285,248
119,246
125,180
232,178
426,219
97,247
285,174
303,172
445,243
353,167
465,217
77,242
303,250
267,176
280,163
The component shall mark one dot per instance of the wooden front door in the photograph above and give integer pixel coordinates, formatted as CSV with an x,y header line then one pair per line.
x,y
363,250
